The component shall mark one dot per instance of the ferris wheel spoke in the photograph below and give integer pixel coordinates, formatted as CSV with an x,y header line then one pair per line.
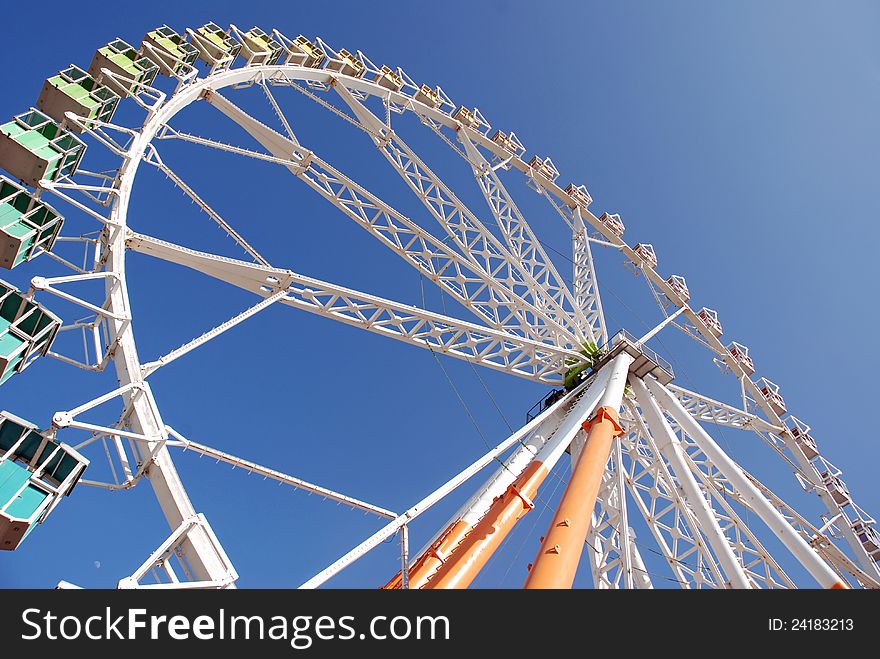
x,y
470,235
169,133
586,287
724,492
465,281
572,208
278,476
429,330
818,538
518,235
278,112
151,367
707,409
153,158
431,257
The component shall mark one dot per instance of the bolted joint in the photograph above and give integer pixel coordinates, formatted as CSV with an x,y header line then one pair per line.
x,y
604,413
61,419
528,504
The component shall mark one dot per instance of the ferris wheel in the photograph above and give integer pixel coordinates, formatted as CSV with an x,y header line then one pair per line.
x,y
639,444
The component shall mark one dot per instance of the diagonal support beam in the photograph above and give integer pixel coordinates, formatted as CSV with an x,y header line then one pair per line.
x,y
660,501
704,408
586,288
520,238
457,338
437,495
795,543
467,231
274,474
476,289
669,446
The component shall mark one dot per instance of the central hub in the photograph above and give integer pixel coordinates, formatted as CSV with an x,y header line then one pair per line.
x,y
645,361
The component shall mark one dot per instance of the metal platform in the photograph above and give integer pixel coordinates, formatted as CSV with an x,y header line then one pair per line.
x,y
645,361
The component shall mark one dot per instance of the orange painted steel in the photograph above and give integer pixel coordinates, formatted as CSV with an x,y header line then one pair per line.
x,y
557,560
477,547
433,557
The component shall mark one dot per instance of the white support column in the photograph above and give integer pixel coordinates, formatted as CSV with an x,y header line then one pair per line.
x,y
668,445
623,518
752,497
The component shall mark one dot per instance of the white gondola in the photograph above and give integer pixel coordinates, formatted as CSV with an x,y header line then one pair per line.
x,y
710,319
770,391
740,354
679,286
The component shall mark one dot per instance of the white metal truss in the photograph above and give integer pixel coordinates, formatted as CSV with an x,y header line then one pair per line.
x,y
586,288
457,338
160,564
523,243
817,538
761,565
485,292
650,419
754,499
757,562
470,235
740,545
706,409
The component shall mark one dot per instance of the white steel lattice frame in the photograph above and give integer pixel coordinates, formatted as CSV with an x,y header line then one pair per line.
x,y
535,326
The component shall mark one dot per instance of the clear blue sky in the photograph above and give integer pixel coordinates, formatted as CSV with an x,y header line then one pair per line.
x,y
739,138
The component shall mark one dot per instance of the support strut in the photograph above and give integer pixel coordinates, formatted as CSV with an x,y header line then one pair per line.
x,y
795,543
477,547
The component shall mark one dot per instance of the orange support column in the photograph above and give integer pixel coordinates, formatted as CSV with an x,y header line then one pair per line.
x,y
479,545
560,552
429,562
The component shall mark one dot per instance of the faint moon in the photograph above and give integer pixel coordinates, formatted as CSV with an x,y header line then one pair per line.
x,y
97,564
